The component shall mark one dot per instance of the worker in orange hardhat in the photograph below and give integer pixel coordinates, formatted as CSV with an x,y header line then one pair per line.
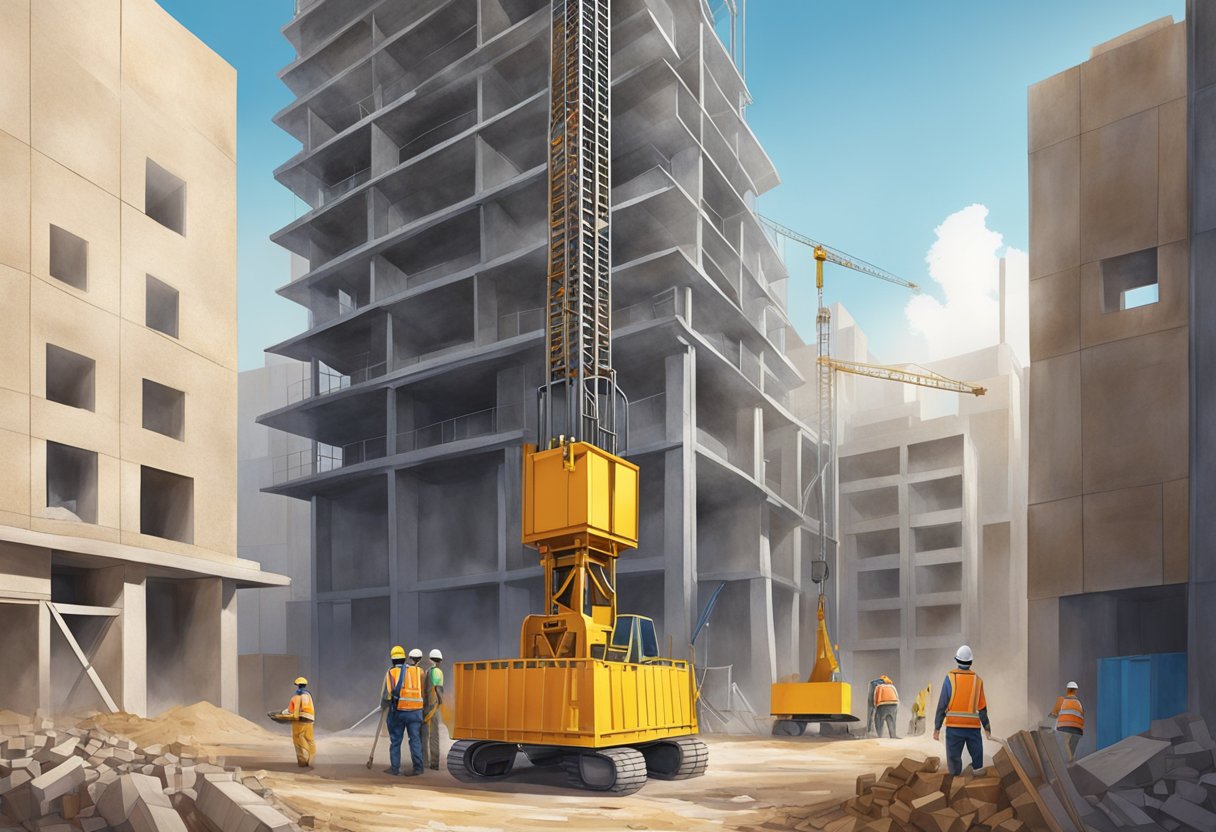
x,y
302,714
402,697
886,705
1069,715
432,715
963,708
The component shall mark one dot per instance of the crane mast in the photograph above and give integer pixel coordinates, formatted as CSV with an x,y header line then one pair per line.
x,y
579,400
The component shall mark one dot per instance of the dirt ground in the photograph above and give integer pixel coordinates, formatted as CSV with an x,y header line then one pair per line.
x,y
749,780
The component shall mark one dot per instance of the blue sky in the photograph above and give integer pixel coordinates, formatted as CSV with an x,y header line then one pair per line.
x,y
884,117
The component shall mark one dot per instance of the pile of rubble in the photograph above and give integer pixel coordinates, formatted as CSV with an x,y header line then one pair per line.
x,y
82,779
1162,779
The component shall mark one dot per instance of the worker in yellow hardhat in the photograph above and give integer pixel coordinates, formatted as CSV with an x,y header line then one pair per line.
x,y
1069,715
886,705
432,688
920,706
302,714
402,696
963,709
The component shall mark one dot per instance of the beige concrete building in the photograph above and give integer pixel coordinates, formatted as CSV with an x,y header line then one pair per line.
x,y
118,389
1110,459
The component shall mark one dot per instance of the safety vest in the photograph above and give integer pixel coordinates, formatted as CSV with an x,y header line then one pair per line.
x,y
1070,713
301,707
886,694
409,694
966,699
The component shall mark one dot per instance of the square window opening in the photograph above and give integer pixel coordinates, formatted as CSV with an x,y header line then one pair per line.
x,y
69,258
1129,280
165,198
164,410
166,505
70,378
160,307
71,483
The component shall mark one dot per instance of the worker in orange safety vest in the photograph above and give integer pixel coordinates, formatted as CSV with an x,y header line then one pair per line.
x,y
963,709
303,715
886,705
402,698
1069,715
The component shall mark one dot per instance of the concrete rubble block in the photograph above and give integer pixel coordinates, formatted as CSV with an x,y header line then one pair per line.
x,y
1192,792
222,802
120,798
66,777
1191,755
1190,815
93,824
63,751
1181,772
145,818
1165,729
1128,812
864,782
264,818
1128,758
12,781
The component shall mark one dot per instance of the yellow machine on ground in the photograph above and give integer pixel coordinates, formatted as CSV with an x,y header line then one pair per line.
x,y
821,698
590,690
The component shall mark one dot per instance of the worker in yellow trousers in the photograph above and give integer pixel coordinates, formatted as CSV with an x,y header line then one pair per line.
x,y
303,715
432,715
920,705
1069,715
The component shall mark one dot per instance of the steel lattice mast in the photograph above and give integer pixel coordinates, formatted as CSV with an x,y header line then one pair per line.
x,y
579,399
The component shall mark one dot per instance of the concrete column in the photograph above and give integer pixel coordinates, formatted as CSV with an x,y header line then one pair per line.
x,y
407,556
1201,148
121,657
1044,674
394,531
44,659
485,303
230,690
761,665
679,499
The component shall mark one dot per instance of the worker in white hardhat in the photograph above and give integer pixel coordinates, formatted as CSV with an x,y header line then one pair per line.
x,y
1069,715
432,715
963,709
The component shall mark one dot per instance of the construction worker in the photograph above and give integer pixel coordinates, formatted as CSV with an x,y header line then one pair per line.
x,y
432,717
1069,715
302,714
871,711
402,698
963,708
886,705
920,706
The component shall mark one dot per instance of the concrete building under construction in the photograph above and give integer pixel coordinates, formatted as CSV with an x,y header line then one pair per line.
x,y
1121,557
423,252
118,388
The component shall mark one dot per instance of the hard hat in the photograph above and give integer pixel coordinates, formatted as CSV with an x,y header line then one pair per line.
x,y
963,655
1071,686
415,653
436,654
886,679
300,680
397,652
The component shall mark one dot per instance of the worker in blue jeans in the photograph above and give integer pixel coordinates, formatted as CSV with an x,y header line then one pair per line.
x,y
963,709
402,697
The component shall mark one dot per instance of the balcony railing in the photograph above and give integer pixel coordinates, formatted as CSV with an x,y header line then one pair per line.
x,y
469,426
329,193
329,380
662,305
518,323
322,458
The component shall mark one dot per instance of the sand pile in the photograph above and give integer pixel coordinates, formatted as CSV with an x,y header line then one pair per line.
x,y
200,724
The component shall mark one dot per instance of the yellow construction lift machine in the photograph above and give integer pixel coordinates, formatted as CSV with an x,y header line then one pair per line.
x,y
590,690
825,696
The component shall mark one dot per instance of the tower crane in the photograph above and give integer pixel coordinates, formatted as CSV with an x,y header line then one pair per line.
x,y
590,690
824,697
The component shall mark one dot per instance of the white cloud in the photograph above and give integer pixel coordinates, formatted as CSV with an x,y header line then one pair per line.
x,y
964,262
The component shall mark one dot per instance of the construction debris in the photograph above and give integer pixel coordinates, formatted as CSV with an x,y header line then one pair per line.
x,y
1162,779
86,778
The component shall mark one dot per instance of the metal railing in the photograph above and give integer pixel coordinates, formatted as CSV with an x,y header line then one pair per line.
x,y
322,458
471,425
518,323
647,419
662,305
329,380
328,193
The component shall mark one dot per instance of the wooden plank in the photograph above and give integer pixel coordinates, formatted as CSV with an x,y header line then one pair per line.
x,y
84,661
1031,787
1060,779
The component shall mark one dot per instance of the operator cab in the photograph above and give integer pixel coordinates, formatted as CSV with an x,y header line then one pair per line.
x,y
633,640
